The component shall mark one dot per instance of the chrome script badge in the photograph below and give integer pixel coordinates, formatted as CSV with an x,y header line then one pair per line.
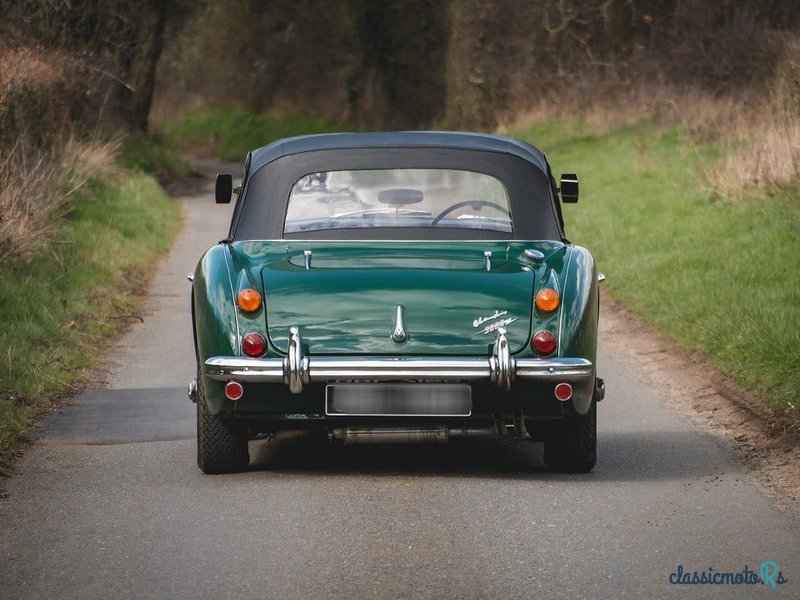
x,y
493,326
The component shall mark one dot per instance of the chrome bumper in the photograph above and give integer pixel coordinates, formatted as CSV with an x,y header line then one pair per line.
x,y
296,370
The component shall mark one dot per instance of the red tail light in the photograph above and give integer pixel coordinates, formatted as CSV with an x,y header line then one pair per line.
x,y
544,342
254,344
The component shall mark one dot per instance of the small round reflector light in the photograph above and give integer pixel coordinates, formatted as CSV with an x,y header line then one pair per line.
x,y
233,390
249,300
543,342
254,344
563,391
547,300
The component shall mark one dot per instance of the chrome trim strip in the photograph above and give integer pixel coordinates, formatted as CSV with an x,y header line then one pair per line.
x,y
561,303
325,241
228,257
375,240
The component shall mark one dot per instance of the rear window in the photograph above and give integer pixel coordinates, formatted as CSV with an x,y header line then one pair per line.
x,y
446,198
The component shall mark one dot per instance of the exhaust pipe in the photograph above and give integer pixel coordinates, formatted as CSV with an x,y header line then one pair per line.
x,y
408,435
440,434
394,435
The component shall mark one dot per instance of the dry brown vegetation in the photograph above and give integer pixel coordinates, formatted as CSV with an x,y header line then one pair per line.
x,y
760,141
757,128
765,143
35,189
72,76
47,153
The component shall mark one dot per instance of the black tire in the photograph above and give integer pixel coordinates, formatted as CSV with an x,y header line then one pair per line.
x,y
221,443
570,446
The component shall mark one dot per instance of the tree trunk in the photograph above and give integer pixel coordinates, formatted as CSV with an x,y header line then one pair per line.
x,y
138,61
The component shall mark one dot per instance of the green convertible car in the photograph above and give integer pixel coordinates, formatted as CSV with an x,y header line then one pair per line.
x,y
396,287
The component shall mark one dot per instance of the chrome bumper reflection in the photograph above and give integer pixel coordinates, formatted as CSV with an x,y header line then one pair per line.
x,y
296,369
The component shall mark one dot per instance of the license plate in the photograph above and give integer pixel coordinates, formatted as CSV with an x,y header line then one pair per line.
x,y
398,400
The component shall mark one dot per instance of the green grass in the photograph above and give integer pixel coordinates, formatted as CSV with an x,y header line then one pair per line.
x,y
714,275
231,133
63,308
147,153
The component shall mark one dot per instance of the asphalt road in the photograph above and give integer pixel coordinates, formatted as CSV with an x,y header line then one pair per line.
x,y
111,503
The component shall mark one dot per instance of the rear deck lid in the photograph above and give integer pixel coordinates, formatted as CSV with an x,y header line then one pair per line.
x,y
346,302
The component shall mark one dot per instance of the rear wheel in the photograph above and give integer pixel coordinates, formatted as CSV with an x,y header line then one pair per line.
x,y
221,443
570,446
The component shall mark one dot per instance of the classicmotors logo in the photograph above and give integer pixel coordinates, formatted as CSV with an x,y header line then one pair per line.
x,y
767,574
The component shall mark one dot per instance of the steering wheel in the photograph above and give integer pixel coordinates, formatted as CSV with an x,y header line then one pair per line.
x,y
476,205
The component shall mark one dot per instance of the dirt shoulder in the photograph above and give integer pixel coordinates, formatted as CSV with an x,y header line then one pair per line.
x,y
766,444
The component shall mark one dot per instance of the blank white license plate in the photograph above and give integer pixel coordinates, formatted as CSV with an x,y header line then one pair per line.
x,y
398,400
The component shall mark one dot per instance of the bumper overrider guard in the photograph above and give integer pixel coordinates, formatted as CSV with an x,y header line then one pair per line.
x,y
296,369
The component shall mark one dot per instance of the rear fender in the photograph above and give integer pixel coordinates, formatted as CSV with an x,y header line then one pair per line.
x,y
579,316
215,319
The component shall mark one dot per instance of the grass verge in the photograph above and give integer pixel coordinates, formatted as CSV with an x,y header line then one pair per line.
x,y
60,308
230,134
147,153
714,275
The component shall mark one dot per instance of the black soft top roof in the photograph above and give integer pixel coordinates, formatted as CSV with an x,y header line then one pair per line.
x,y
271,171
398,139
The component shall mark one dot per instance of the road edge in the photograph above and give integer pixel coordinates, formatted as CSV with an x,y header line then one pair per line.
x,y
767,445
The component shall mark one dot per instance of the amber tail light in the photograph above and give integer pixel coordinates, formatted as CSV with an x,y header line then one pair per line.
x,y
249,300
547,300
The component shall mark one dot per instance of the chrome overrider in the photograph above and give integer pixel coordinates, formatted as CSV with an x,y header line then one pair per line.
x,y
296,369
